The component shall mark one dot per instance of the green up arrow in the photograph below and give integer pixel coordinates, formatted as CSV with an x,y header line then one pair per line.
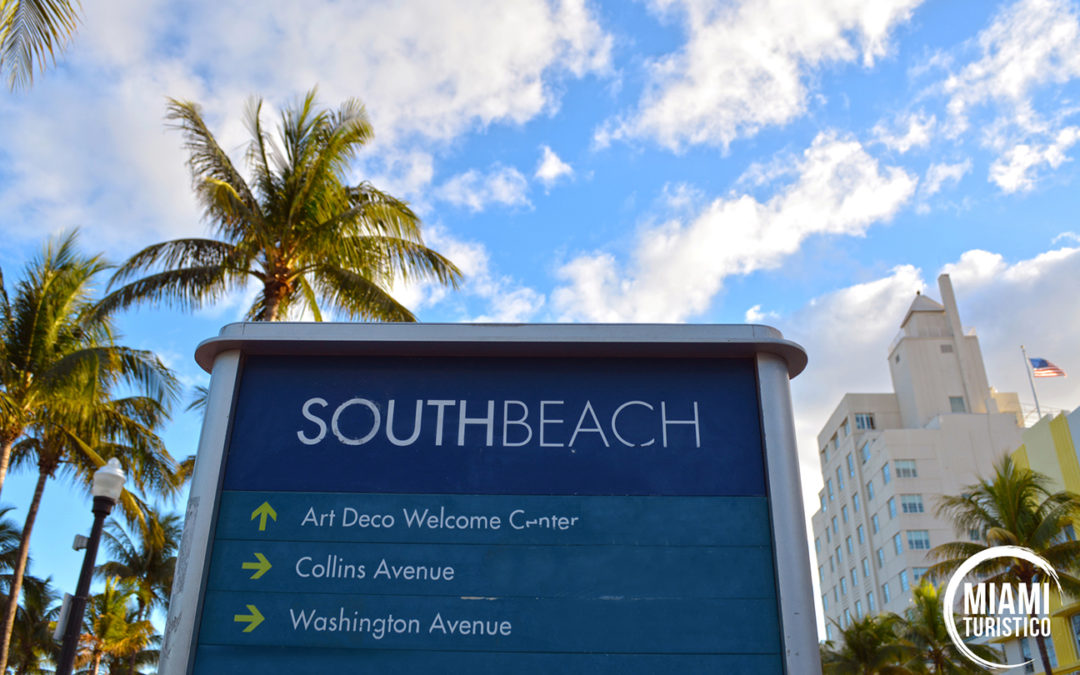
x,y
262,566
262,512
253,619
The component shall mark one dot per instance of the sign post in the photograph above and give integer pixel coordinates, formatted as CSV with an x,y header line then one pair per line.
x,y
393,498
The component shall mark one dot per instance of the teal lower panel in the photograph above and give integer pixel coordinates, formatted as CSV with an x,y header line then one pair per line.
x,y
216,660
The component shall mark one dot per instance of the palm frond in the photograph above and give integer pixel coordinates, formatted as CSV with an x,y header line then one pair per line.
x,y
359,297
32,32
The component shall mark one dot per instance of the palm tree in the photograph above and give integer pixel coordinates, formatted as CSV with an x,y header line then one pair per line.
x,y
32,641
1013,508
112,631
297,228
61,366
146,563
924,628
869,646
32,32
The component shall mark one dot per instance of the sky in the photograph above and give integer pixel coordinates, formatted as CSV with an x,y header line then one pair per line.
x,y
808,165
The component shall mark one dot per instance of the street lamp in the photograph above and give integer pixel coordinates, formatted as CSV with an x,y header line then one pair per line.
x,y
108,484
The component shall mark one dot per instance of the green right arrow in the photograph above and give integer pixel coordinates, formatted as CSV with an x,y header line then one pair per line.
x,y
262,512
253,619
262,566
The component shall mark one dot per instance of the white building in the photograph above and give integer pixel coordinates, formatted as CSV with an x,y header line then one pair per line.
x,y
887,458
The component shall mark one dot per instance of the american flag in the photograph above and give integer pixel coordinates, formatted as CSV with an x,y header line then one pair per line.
x,y
1043,368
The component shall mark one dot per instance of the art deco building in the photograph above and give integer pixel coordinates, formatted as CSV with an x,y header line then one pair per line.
x,y
887,458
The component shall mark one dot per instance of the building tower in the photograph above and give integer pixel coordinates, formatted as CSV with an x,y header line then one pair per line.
x,y
887,458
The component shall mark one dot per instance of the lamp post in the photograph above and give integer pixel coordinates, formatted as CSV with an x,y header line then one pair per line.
x,y
108,484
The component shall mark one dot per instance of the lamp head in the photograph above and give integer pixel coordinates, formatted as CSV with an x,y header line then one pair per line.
x,y
109,480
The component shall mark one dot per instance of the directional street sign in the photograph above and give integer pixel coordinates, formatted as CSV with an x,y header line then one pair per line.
x,y
437,499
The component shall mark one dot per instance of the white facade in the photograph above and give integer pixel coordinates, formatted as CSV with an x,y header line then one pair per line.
x,y
886,459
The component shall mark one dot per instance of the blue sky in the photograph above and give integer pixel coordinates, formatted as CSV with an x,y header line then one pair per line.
x,y
809,165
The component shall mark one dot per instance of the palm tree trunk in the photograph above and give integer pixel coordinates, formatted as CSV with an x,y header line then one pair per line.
x,y
1043,654
5,459
95,662
20,569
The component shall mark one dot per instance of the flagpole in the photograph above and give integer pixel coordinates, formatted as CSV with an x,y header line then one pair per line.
x,y
1027,369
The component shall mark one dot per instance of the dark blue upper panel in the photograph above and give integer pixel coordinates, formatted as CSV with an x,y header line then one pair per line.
x,y
532,426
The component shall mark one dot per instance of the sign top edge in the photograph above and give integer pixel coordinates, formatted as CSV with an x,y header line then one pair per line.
x,y
493,339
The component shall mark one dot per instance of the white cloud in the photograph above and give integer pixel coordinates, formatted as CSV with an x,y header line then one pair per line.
x,y
1067,236
745,65
1014,171
919,127
940,174
551,168
427,70
500,185
1027,45
680,265
755,315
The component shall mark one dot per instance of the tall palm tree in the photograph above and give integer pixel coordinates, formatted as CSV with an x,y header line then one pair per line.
x,y
924,628
296,228
61,368
112,631
31,33
869,646
1014,507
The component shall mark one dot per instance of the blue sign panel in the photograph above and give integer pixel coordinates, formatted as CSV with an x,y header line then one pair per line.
x,y
492,515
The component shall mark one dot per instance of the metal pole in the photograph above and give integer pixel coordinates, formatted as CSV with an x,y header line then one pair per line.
x,y
1027,369
102,507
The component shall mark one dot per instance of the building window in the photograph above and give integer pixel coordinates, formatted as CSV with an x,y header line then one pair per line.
x,y
817,545
821,574
946,349
834,528
864,421
839,479
956,404
825,602
824,504
880,559
1025,649
918,540
847,618
892,507
828,534
846,428
974,535
840,558
905,586
886,596
843,585
843,513
861,533
854,578
866,568
870,491
832,566
1074,622
828,488
871,604
897,544
850,548
835,443
886,474
911,503
828,632
875,523
825,455
897,359
850,466
835,597
905,468
917,573
864,453
855,502
858,609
